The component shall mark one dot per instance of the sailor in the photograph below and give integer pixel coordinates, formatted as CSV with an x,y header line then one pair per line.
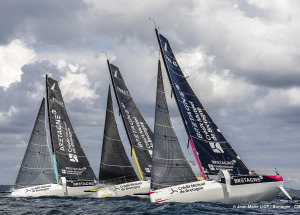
x,y
252,172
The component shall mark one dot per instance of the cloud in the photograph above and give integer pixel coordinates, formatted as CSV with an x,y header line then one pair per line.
x,y
74,82
280,102
13,56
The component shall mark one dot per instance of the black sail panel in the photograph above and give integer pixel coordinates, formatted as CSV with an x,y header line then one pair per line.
x,y
70,157
214,151
138,131
170,166
115,166
37,167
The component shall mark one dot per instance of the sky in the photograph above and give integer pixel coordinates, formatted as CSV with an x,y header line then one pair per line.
x,y
242,59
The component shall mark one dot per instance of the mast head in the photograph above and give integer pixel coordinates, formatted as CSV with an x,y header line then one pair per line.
x,y
156,27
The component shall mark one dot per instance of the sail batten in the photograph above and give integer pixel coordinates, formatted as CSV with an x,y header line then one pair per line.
x,y
170,166
114,161
37,167
212,149
71,160
139,134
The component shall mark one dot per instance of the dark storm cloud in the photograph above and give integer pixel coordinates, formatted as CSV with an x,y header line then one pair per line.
x,y
44,22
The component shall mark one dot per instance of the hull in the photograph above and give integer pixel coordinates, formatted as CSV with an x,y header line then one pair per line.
x,y
215,191
51,190
37,191
126,189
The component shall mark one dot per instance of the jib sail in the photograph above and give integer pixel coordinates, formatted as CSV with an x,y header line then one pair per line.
x,y
37,167
115,166
170,167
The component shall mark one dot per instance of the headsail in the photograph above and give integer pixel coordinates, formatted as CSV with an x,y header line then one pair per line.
x,y
214,151
139,133
115,166
170,167
70,158
37,167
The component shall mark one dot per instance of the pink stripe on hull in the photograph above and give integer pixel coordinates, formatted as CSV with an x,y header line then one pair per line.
x,y
147,193
161,201
276,177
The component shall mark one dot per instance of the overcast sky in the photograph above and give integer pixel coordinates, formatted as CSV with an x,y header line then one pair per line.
x,y
242,59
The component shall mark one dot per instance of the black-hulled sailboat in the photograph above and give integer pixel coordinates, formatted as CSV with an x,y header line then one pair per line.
x,y
64,171
117,176
233,182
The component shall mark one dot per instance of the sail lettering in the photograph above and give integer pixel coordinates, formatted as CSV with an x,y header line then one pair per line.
x,y
133,129
58,130
57,101
124,92
70,143
149,144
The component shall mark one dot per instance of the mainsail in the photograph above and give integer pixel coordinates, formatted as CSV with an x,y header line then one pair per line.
x,y
138,132
37,167
70,158
170,166
213,150
115,166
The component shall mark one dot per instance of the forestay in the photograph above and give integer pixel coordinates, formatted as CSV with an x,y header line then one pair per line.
x,y
214,151
70,158
170,166
37,167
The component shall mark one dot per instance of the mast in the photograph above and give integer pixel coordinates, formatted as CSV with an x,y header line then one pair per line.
x,y
180,111
50,131
142,170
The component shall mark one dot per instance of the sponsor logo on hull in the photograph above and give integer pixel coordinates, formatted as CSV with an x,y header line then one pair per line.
x,y
130,186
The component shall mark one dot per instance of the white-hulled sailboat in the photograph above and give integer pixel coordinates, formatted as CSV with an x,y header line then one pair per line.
x,y
64,171
233,182
140,138
117,176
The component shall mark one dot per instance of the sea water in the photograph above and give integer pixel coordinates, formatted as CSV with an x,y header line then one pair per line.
x,y
135,205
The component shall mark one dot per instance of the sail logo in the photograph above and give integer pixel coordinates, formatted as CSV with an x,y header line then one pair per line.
x,y
216,147
124,92
115,72
166,47
52,86
73,158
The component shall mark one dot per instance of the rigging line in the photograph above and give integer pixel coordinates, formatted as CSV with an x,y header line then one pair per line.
x,y
106,55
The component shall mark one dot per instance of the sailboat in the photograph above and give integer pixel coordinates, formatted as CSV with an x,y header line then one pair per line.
x,y
70,173
117,176
140,138
138,132
214,155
